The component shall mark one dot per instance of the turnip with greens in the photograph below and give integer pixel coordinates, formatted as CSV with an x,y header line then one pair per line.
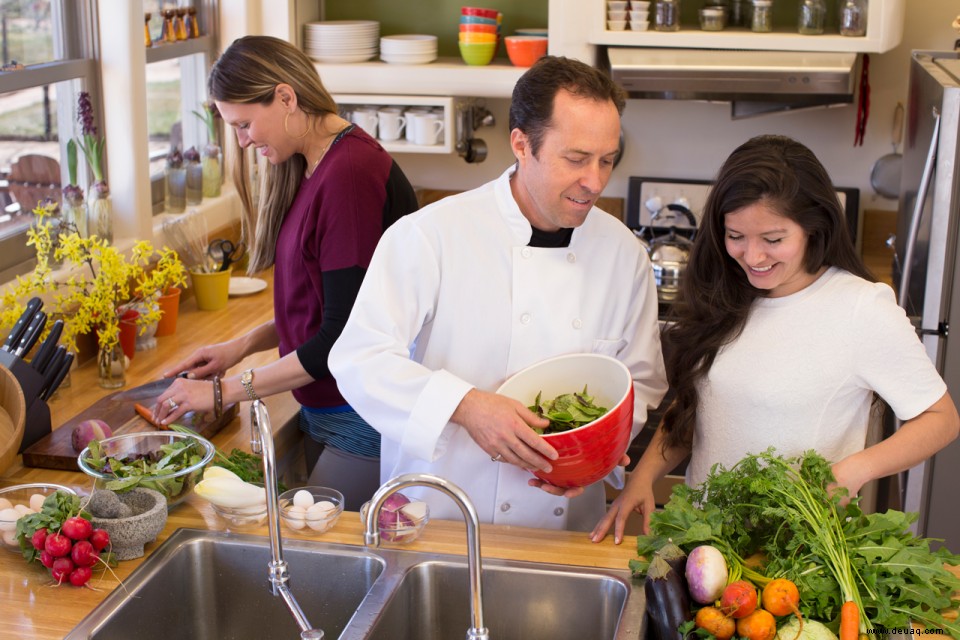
x,y
706,573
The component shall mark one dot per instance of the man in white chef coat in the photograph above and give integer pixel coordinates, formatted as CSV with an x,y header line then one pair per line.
x,y
465,292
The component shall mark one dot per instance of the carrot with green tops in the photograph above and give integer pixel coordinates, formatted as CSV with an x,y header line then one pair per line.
x,y
849,621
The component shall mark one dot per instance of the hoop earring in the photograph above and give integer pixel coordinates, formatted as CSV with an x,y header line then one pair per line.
x,y
287,131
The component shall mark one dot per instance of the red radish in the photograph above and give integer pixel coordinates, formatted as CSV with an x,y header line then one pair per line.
x,y
57,545
706,573
38,538
739,599
46,559
83,553
76,528
80,576
100,539
61,569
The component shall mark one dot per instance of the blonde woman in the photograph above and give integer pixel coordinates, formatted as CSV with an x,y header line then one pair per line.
x,y
328,192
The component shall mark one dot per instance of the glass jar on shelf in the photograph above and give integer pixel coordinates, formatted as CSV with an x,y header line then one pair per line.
x,y
762,16
853,18
739,13
811,17
666,15
176,179
194,169
147,40
168,32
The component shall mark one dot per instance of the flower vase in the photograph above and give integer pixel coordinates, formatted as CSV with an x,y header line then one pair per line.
x,y
176,179
110,366
100,212
169,310
194,182
73,212
212,173
56,228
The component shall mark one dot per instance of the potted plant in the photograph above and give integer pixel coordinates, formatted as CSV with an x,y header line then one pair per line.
x,y
96,296
212,154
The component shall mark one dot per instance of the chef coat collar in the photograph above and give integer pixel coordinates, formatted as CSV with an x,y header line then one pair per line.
x,y
518,223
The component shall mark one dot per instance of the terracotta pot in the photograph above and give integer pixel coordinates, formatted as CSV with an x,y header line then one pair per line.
x,y
170,308
128,332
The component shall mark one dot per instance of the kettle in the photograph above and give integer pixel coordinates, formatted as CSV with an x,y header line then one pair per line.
x,y
669,254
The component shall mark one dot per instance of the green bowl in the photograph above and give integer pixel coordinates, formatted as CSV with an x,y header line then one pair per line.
x,y
477,53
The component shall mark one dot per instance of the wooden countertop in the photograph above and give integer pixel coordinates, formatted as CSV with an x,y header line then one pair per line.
x,y
33,607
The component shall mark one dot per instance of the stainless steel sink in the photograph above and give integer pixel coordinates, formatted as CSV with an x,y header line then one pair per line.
x,y
208,584
520,602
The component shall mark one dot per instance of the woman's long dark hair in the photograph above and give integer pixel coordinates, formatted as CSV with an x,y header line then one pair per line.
x,y
715,295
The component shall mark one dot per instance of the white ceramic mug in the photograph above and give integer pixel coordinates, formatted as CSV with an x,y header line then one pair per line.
x,y
427,129
390,123
365,118
409,114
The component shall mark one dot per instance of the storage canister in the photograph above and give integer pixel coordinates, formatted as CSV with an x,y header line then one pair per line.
x,y
811,17
853,18
666,15
762,20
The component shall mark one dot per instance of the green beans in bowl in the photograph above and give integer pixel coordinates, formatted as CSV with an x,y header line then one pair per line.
x,y
168,461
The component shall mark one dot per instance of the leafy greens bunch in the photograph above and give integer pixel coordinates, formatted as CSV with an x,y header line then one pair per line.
x,y
567,411
782,511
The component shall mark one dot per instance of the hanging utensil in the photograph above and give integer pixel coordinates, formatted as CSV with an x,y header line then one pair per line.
x,y
885,176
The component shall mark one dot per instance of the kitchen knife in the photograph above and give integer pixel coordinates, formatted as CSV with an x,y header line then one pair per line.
x,y
32,307
53,368
30,335
60,375
49,346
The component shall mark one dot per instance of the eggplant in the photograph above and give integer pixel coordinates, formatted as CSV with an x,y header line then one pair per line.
x,y
674,556
668,603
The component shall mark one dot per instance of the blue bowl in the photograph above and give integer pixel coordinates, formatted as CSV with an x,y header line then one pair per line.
x,y
477,20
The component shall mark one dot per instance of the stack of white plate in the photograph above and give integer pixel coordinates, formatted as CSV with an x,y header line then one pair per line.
x,y
338,41
408,49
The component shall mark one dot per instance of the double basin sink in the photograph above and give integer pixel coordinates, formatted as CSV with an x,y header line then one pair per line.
x,y
206,584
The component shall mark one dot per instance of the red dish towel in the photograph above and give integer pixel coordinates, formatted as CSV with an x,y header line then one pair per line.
x,y
863,102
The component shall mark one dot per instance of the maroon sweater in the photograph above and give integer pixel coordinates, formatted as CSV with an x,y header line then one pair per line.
x,y
324,246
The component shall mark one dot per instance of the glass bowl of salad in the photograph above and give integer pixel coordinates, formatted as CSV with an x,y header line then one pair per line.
x,y
167,461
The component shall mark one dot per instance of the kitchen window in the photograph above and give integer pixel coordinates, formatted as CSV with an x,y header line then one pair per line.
x,y
48,49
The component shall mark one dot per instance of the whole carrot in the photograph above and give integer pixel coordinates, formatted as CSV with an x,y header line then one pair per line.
x,y
147,415
849,621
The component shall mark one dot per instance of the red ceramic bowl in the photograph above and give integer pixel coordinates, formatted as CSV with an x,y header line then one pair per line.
x,y
479,11
590,452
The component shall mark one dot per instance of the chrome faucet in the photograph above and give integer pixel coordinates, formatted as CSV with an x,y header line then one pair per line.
x,y
261,442
371,534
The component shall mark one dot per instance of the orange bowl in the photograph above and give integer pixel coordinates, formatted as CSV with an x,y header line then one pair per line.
x,y
474,37
590,452
481,28
523,51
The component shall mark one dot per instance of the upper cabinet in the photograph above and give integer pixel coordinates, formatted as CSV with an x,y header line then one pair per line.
x,y
885,19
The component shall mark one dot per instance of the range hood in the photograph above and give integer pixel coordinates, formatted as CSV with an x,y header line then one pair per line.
x,y
755,82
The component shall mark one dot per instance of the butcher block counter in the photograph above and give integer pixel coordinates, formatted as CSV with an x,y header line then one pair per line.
x,y
33,607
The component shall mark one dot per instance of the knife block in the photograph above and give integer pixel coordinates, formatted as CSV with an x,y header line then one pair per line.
x,y
38,412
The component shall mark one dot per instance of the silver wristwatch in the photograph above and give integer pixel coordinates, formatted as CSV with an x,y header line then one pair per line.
x,y
246,379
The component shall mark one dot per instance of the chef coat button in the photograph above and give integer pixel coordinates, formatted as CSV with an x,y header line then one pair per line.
x,y
571,257
526,252
577,323
558,511
525,318
505,507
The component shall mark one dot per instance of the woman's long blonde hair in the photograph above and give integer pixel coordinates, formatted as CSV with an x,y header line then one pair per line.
x,y
248,72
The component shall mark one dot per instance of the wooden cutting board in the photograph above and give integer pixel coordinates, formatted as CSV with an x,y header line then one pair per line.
x,y
55,451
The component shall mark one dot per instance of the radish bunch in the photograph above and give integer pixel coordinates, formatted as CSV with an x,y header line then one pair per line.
x,y
71,552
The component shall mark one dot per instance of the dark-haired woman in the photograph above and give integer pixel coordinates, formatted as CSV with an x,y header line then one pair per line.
x,y
783,338
328,193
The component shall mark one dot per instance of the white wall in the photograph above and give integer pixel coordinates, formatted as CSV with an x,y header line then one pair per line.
x,y
681,139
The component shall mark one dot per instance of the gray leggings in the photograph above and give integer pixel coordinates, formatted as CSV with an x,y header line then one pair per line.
x,y
356,477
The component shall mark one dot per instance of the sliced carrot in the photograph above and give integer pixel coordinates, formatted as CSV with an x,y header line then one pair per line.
x,y
849,621
147,415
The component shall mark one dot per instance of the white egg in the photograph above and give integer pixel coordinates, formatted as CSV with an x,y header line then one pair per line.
x,y
295,517
5,504
23,509
320,515
8,519
36,501
10,538
303,498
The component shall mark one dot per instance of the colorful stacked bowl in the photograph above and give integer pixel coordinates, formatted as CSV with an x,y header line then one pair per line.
x,y
523,51
587,453
479,34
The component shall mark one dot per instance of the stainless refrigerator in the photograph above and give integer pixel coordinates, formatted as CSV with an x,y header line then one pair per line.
x,y
925,271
